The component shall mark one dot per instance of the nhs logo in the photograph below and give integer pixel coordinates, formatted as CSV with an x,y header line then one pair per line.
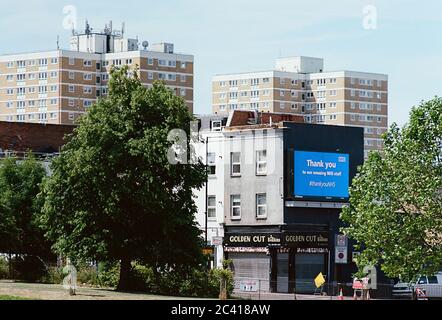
x,y
342,159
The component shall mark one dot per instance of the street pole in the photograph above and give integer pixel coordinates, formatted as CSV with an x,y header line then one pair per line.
x,y
207,186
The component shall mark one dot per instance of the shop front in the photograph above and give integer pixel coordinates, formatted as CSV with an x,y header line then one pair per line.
x,y
279,261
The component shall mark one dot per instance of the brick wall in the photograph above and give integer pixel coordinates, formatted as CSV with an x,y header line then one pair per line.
x,y
45,138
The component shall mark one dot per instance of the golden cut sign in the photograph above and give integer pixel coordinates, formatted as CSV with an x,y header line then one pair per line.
x,y
306,239
287,239
252,240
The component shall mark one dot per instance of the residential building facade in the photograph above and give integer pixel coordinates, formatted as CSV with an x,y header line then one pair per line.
x,y
299,85
59,86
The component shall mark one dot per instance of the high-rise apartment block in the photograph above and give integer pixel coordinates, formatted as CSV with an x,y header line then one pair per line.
x,y
58,86
299,85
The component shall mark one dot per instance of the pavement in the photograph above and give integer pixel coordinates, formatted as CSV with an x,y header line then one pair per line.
x,y
281,296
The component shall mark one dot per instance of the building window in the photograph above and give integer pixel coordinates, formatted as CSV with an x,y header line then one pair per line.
x,y
88,63
71,75
71,89
150,75
261,206
235,158
211,207
54,60
211,163
87,90
71,102
261,162
182,92
216,125
71,116
235,202
183,78
150,61
71,61
255,82
183,65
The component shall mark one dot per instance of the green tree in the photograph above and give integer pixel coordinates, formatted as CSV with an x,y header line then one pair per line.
x,y
19,209
113,195
395,211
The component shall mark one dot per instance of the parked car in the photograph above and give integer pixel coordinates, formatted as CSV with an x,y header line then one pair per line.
x,y
403,290
431,285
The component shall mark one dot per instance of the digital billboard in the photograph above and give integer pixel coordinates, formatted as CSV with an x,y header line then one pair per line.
x,y
321,175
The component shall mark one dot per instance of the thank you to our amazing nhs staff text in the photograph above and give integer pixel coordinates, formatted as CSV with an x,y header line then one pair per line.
x,y
319,174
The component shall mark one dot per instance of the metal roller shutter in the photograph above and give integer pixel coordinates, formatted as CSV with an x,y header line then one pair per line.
x,y
251,266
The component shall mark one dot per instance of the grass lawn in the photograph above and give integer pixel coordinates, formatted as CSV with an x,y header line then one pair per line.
x,y
2,297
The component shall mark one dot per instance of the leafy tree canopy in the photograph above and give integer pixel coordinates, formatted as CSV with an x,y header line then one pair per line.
x,y
395,211
113,195
19,209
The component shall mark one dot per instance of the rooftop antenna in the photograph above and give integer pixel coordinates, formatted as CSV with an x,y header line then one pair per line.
x,y
110,26
145,44
122,29
58,42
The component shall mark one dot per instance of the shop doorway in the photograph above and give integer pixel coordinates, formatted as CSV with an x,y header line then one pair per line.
x,y
283,273
307,267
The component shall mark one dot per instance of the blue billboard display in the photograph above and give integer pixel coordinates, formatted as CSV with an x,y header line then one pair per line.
x,y
321,175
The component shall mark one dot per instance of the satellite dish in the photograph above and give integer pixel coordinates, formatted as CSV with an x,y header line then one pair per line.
x,y
145,44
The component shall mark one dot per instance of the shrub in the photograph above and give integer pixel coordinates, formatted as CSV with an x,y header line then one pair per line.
x,y
54,275
108,274
87,275
183,282
4,268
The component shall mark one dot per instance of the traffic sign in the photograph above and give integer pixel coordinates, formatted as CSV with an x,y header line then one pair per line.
x,y
341,255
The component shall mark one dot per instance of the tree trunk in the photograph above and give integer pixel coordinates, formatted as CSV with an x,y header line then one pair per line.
x,y
125,283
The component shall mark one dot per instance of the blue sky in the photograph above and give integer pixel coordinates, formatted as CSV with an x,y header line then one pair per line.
x,y
248,35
